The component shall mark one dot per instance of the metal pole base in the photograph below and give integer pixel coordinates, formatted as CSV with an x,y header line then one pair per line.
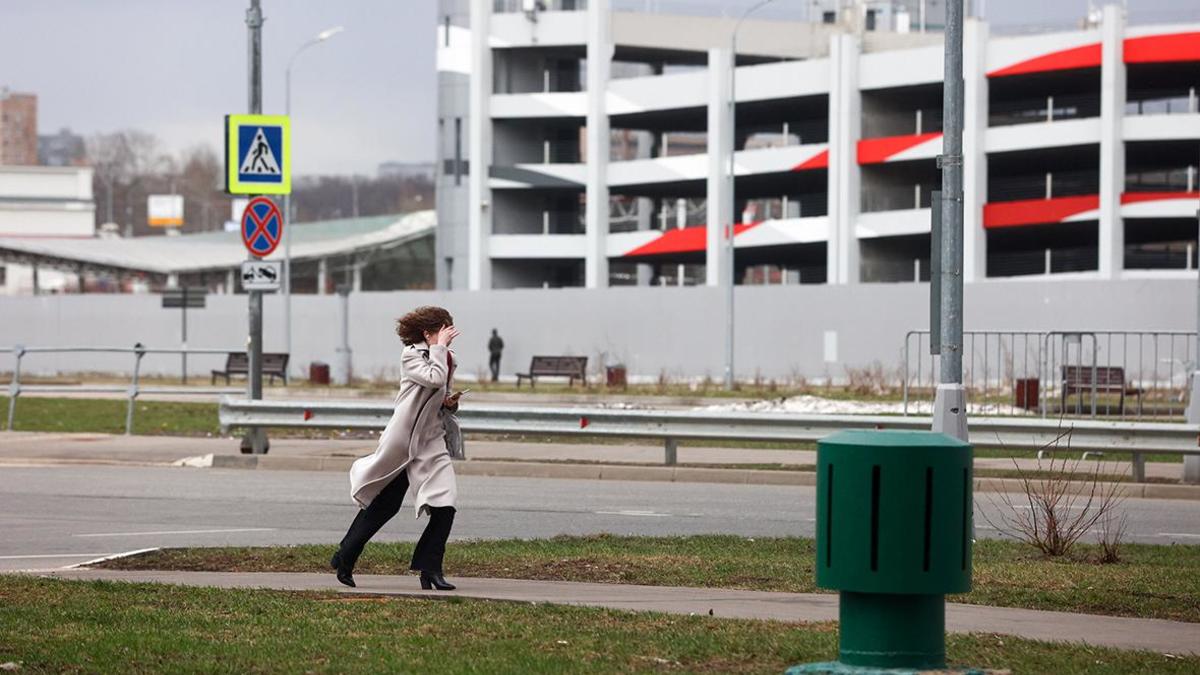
x,y
950,411
1191,463
255,442
889,634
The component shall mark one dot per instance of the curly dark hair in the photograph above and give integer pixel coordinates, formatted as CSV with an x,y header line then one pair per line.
x,y
428,319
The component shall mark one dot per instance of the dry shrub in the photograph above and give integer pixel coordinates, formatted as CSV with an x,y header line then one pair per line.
x,y
664,382
1054,510
1111,537
869,380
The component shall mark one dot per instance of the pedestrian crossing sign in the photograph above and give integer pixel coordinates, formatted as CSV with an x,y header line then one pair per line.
x,y
258,157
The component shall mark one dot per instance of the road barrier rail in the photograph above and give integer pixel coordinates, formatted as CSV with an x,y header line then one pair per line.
x,y
1136,439
132,390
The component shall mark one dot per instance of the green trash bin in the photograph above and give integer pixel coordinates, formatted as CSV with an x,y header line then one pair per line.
x,y
894,529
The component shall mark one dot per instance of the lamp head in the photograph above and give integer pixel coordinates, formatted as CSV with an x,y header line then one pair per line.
x,y
329,32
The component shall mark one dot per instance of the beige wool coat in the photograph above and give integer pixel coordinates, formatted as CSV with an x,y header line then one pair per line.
x,y
414,439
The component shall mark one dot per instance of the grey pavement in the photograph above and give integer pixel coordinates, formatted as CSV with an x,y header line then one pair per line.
x,y
1157,635
103,448
53,516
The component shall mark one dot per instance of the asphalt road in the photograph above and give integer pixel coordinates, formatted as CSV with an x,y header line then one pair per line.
x,y
56,516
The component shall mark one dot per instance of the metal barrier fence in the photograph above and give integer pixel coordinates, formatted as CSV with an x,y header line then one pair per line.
x,y
1123,374
132,391
671,426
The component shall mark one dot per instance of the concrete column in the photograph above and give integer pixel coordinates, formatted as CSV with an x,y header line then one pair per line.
x,y
172,280
356,276
720,147
1112,143
599,61
322,276
37,285
230,282
975,123
645,205
479,149
845,128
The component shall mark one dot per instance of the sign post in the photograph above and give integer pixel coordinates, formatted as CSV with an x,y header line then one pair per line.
x,y
183,298
258,162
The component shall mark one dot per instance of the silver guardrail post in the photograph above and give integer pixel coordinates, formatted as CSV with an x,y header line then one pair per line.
x,y
670,451
138,352
1138,467
14,387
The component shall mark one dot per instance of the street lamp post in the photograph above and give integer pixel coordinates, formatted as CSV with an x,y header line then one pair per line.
x,y
730,267
287,198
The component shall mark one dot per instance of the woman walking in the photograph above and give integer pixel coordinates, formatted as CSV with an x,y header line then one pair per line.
x,y
412,451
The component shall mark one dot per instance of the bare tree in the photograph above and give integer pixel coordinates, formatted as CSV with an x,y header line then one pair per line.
x,y
123,161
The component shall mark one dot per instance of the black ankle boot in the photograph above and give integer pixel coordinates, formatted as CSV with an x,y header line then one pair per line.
x,y
431,580
344,574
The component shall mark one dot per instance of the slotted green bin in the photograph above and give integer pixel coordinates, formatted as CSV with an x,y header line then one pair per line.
x,y
894,529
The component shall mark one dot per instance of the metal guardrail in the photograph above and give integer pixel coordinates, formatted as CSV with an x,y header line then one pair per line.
x,y
131,391
1136,439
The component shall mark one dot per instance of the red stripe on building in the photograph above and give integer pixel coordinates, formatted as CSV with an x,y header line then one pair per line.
x,y
1087,56
877,150
682,240
1135,197
1037,211
1163,48
817,161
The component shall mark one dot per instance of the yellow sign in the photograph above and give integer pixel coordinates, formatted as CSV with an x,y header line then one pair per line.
x,y
258,154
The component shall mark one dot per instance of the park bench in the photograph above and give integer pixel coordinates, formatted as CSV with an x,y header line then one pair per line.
x,y
1108,380
238,363
571,367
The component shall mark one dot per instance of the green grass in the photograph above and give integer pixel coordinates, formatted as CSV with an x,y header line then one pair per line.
x,y
35,413
1152,581
63,626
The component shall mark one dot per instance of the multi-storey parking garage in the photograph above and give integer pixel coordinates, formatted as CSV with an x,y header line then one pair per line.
x,y
586,147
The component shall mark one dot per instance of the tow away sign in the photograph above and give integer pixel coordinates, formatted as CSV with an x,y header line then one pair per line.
x,y
260,275
258,154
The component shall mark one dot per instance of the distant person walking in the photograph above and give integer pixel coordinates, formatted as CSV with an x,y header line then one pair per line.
x,y
495,346
411,451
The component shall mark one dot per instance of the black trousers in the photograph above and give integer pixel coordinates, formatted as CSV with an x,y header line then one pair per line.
x,y
431,548
494,364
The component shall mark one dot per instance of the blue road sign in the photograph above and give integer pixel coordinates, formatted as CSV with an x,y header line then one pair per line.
x,y
258,154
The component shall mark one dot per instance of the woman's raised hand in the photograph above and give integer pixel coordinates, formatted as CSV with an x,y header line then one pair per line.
x,y
446,335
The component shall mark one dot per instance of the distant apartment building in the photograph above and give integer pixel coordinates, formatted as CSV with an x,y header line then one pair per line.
x,y
584,146
62,149
18,128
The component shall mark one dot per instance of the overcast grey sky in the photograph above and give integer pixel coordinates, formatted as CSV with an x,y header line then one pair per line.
x,y
175,67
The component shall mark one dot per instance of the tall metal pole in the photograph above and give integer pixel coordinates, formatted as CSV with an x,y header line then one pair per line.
x,y
256,439
1191,463
287,230
287,198
950,411
727,262
730,267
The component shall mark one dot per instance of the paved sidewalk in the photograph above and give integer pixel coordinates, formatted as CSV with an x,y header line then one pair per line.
x,y
1157,635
